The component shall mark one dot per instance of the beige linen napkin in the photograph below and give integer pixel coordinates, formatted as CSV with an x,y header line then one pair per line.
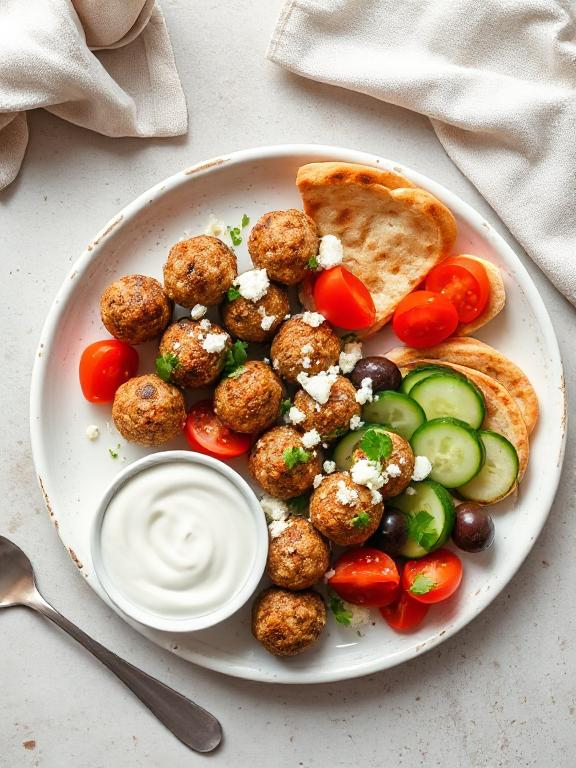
x,y
498,80
129,88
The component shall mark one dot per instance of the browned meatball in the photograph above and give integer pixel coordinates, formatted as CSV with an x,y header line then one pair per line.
x,y
333,418
299,347
282,243
199,271
148,411
281,465
299,556
287,623
397,468
250,401
135,309
244,318
188,343
344,511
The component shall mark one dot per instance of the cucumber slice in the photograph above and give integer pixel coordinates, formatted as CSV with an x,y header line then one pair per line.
x,y
433,499
396,410
423,372
499,473
443,394
453,449
344,449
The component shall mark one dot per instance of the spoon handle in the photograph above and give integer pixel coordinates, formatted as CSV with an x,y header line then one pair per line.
x,y
193,725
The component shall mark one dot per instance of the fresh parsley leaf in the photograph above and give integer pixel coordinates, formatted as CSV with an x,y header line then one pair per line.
x,y
341,615
166,365
235,359
422,529
295,455
422,584
376,445
235,235
245,220
285,406
114,452
312,262
361,520
299,505
233,293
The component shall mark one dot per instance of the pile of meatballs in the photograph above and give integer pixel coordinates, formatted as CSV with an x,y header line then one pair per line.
x,y
149,411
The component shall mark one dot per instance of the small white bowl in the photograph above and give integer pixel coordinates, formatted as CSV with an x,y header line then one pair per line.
x,y
236,601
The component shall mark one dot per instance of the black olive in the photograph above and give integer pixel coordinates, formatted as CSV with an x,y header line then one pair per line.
x,y
391,534
383,372
473,529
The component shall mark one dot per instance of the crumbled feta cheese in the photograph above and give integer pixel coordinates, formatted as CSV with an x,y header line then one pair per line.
x,y
333,370
364,394
330,253
410,491
274,509
266,360
328,575
324,445
287,316
215,342
205,324
313,319
345,495
267,322
198,311
349,356
402,460
92,432
360,615
311,438
214,227
422,468
317,480
368,473
393,470
329,467
307,349
318,386
277,527
356,422
295,416
253,284
176,345
376,497
306,362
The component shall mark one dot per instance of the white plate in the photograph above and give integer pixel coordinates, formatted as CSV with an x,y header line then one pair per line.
x,y
74,472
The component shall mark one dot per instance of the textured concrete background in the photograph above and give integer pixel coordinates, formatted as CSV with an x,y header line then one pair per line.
x,y
501,693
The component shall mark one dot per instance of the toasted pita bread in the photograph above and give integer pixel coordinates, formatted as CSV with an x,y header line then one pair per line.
x,y
496,300
392,232
502,412
463,350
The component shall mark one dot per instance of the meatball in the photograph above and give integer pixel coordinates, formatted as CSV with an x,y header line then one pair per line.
x,y
397,468
250,401
282,243
299,556
198,349
281,465
199,271
345,512
300,347
257,321
148,411
333,418
287,623
135,309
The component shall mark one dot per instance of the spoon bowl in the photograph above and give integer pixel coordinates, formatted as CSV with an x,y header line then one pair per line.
x,y
17,585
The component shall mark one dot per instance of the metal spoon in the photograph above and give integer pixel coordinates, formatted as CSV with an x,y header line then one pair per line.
x,y
194,726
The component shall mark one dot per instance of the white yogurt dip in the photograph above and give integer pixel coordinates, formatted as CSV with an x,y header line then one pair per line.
x,y
178,539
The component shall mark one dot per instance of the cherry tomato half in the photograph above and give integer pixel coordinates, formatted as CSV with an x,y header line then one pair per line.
x,y
365,576
343,299
423,319
464,282
104,366
405,613
433,578
206,433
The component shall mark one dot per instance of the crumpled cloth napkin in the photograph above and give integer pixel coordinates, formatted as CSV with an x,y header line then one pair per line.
x,y
497,79
130,87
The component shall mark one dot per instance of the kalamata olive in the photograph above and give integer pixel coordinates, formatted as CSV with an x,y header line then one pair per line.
x,y
391,534
383,372
473,529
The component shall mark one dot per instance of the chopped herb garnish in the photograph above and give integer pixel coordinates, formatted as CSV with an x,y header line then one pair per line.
x,y
166,365
233,293
422,530
245,220
235,359
285,406
376,445
299,504
295,455
235,235
422,584
361,520
341,614
312,262
114,452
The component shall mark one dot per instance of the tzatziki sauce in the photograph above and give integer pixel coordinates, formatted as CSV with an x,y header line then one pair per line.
x,y
178,539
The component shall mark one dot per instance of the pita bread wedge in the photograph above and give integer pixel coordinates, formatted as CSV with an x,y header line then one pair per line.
x,y
496,300
392,232
502,412
463,350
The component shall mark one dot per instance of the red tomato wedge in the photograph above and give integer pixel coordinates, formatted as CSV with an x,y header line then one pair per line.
x,y
365,576
405,613
206,433
343,299
433,578
104,366
464,282
423,319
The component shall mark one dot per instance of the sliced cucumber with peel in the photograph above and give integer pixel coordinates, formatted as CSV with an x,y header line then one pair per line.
x,y
444,394
397,411
452,447
435,527
499,473
345,448
423,372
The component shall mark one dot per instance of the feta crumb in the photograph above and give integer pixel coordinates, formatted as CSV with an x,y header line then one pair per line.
x,y
311,438
205,324
253,285
329,467
307,349
313,319
345,495
364,394
317,480
92,432
214,227
306,362
333,370
349,356
410,491
356,422
328,575
267,322
274,509
324,445
318,386
360,615
393,470
215,342
198,311
376,497
295,416
275,364
266,360
176,345
287,316
422,468
330,253
277,527
368,473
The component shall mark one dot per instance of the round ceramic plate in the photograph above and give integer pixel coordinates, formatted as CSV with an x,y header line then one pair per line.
x,y
73,472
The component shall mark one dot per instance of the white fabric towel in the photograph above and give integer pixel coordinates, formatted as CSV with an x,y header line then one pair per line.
x,y
498,80
129,88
